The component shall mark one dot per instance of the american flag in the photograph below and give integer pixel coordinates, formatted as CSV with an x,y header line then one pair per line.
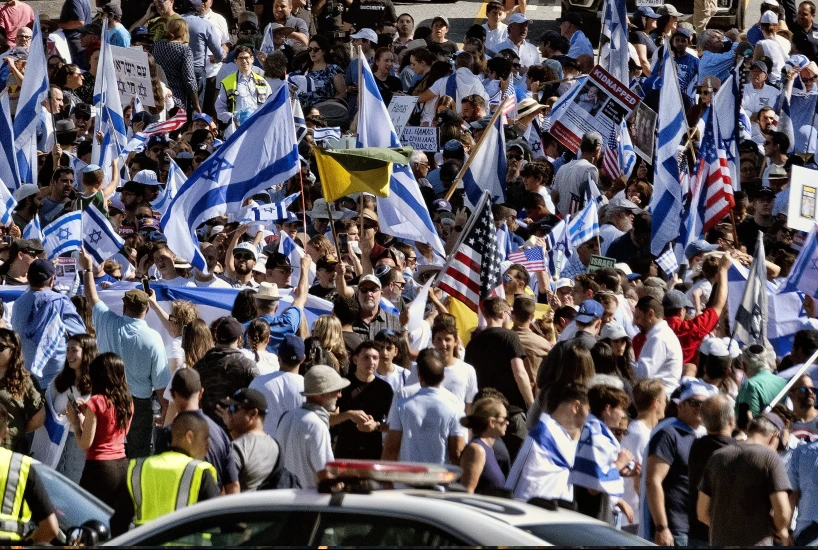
x,y
532,259
713,176
610,159
473,272
171,125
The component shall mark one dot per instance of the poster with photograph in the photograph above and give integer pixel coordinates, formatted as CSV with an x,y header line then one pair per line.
x,y
802,212
599,105
644,141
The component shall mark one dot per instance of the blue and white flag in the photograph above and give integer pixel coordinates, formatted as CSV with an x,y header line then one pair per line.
x,y
49,439
751,318
33,229
294,253
666,202
559,247
7,204
264,212
784,118
614,53
267,44
804,273
595,462
50,343
726,109
584,225
627,154
565,100
667,261
138,107
63,235
176,178
9,173
322,134
252,159
403,212
100,240
33,92
487,170
298,119
109,120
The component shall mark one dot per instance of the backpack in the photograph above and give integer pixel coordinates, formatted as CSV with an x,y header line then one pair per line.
x,y
280,477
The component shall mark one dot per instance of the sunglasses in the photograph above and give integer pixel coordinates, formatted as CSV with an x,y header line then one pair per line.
x,y
313,50
83,117
502,420
806,390
619,432
244,256
284,269
695,403
514,157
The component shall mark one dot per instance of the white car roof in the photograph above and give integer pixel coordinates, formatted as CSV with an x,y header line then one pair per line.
x,y
479,519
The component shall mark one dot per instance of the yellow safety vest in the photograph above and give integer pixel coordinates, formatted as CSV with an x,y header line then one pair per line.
x,y
164,483
14,511
229,83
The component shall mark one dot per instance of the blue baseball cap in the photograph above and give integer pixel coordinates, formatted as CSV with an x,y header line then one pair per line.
x,y
203,116
588,311
646,11
291,349
699,246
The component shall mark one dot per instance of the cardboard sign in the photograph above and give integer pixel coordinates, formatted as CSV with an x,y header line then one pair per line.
x,y
420,138
600,104
598,262
133,78
802,213
400,109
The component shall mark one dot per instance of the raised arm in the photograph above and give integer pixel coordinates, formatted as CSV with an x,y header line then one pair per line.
x,y
88,282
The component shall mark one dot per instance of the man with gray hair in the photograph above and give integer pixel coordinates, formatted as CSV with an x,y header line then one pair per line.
x,y
743,486
719,420
616,219
761,387
571,180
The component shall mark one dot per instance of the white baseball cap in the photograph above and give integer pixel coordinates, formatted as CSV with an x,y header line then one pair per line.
x,y
249,247
366,34
25,190
146,177
564,282
769,17
517,18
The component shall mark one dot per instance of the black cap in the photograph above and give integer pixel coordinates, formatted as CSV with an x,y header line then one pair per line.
x,y
764,193
327,263
229,330
249,399
277,259
91,28
131,187
572,17
40,271
29,245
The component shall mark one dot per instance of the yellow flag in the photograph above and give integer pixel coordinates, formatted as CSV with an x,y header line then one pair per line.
x,y
348,171
466,318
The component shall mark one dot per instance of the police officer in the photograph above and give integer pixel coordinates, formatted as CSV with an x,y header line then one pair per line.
x,y
244,90
161,484
26,499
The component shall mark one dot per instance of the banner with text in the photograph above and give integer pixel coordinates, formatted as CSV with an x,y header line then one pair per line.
x,y
133,78
420,138
400,109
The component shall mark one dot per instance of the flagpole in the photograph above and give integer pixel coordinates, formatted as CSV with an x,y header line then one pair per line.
x,y
791,382
469,224
360,111
473,154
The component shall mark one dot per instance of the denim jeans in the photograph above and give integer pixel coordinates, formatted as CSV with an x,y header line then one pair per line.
x,y
680,540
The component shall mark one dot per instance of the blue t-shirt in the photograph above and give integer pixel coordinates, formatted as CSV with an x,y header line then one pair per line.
x,y
755,34
671,443
687,68
119,36
281,326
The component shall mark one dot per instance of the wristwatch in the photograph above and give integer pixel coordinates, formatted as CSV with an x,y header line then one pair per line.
x,y
660,528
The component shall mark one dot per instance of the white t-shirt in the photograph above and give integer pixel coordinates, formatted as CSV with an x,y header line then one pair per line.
x,y
706,288
494,37
283,393
754,100
215,282
176,281
397,378
267,362
637,443
661,357
461,380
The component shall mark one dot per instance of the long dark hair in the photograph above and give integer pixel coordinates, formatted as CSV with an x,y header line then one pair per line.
x,y
244,308
68,377
107,373
16,374
81,303
325,46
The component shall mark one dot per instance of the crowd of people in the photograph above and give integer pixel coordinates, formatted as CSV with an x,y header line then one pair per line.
x,y
616,391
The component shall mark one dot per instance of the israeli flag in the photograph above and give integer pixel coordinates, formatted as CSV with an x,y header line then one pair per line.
x,y
627,154
232,174
294,253
264,212
63,235
109,106
726,110
176,178
100,240
50,342
299,120
323,134
7,204
804,273
614,53
751,317
267,44
559,247
403,213
9,173
33,92
49,440
584,225
488,169
595,462
666,201
33,229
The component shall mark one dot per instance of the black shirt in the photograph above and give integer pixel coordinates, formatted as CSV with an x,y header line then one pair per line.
x,y
375,399
388,87
623,249
747,233
490,353
367,14
806,41
700,452
36,497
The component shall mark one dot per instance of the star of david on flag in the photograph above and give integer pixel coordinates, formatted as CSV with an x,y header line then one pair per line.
x,y
100,240
63,235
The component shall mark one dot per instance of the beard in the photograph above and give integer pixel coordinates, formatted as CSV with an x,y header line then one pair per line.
x,y
331,404
243,269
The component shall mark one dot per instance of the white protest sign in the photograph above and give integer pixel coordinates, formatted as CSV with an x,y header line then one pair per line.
x,y
400,109
133,79
801,211
420,138
601,103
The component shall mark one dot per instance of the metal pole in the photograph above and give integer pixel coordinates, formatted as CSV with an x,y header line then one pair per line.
x,y
791,382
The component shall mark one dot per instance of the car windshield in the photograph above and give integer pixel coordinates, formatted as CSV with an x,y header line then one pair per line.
x,y
575,534
73,505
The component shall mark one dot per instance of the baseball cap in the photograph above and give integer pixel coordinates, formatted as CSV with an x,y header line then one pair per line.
x,y
588,311
146,177
25,190
369,279
564,282
760,65
40,271
277,259
442,205
447,117
91,28
203,116
327,263
517,18
613,331
291,349
769,17
572,17
113,9
248,398
676,299
246,247
481,123
136,299
699,246
229,330
669,9
131,187
683,31
115,203
141,34
28,245
621,203
366,34
773,417
693,388
646,11
441,19
764,193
